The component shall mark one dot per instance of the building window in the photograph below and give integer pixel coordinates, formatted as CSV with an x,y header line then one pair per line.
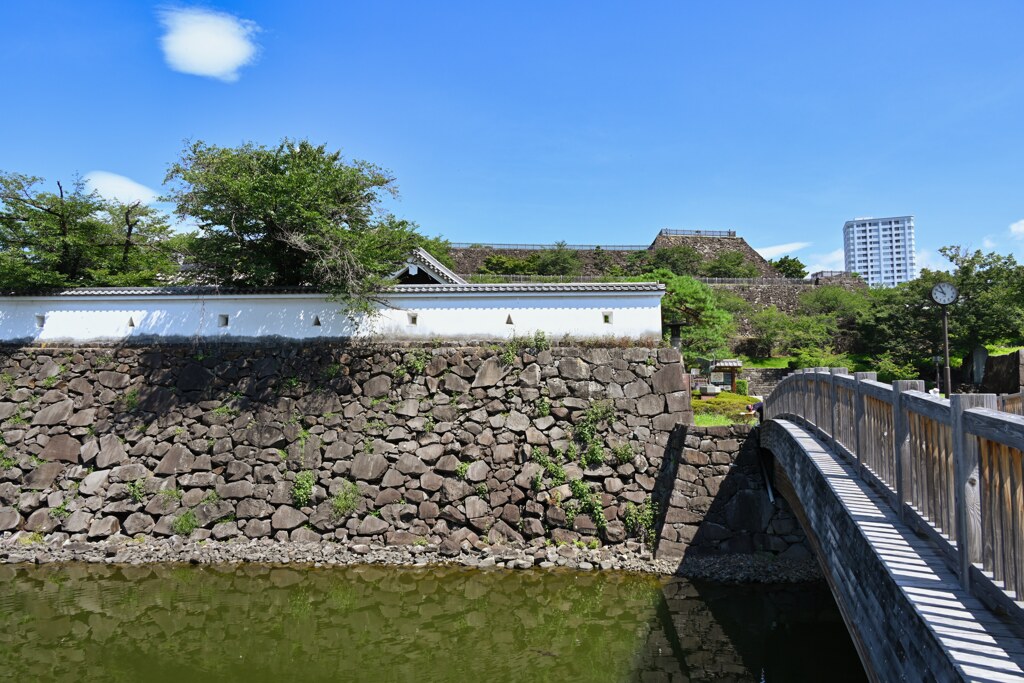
x,y
222,320
413,318
607,317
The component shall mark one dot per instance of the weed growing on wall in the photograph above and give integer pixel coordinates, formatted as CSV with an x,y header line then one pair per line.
x,y
589,502
345,501
509,351
552,466
585,433
414,364
543,406
131,400
624,453
136,490
640,520
302,489
185,523
461,470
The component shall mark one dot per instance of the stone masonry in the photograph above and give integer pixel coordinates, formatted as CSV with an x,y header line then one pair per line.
x,y
451,447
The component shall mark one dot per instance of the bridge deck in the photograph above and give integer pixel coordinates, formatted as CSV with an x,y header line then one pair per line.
x,y
981,645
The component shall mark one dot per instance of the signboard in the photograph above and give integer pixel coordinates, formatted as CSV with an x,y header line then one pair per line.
x,y
718,378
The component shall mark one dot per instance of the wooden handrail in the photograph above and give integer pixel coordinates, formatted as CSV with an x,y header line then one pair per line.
x,y
952,468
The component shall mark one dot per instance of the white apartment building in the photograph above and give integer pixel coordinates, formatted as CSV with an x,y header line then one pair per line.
x,y
881,250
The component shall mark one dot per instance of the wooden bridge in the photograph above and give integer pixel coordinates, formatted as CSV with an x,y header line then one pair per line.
x,y
915,506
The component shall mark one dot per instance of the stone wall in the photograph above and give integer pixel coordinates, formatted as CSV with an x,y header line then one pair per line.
x,y
763,380
452,447
720,502
446,445
1004,374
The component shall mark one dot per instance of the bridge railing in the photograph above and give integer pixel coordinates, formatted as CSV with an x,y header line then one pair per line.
x,y
1011,403
951,468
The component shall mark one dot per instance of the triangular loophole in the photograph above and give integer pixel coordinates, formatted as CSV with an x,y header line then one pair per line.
x,y
131,322
508,320
316,321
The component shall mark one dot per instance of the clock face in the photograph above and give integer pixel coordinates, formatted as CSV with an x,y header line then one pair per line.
x,y
944,293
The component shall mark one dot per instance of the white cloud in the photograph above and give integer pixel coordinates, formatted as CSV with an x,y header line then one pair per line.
x,y
1017,230
988,243
124,190
932,260
207,43
833,260
781,249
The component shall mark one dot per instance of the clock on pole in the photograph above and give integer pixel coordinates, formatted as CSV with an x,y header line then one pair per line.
x,y
944,294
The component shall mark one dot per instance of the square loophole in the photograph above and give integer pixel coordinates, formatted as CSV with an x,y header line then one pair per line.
x,y
414,318
40,320
606,316
222,320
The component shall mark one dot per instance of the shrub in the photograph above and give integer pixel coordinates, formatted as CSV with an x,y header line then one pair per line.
x,y
743,387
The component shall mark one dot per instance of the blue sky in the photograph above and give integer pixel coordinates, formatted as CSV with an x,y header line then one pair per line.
x,y
589,122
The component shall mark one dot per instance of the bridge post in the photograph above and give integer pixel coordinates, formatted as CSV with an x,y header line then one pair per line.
x,y
901,440
966,494
834,408
858,416
819,418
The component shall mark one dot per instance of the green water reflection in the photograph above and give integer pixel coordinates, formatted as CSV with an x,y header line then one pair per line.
x,y
254,623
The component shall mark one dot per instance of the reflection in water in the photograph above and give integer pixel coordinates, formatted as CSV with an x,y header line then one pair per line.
x,y
253,623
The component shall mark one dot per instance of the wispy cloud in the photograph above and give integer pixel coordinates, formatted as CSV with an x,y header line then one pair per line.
x,y
833,260
207,43
988,243
1017,230
781,249
932,260
124,190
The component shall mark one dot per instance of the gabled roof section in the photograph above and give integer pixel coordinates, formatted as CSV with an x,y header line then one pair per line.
x,y
436,270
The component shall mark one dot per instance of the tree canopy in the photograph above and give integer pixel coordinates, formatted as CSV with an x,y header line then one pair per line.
x,y
292,214
70,238
789,266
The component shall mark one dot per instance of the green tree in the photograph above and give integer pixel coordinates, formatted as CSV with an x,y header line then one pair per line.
x,y
72,238
557,261
990,307
730,264
789,266
680,259
498,264
769,329
292,214
705,329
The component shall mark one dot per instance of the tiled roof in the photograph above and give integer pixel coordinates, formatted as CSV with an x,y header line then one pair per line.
x,y
519,287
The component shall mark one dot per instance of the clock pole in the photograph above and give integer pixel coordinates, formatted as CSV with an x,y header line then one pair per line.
x,y
945,349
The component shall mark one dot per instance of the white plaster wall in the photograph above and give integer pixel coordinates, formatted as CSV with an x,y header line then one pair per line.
x,y
472,315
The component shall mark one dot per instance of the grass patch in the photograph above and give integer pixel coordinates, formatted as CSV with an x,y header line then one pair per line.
x,y
998,350
724,409
778,362
711,421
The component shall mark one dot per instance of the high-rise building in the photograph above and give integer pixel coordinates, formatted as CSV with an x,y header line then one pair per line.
x,y
881,250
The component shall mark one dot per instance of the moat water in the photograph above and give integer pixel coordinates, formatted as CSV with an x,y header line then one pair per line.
x,y
254,623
